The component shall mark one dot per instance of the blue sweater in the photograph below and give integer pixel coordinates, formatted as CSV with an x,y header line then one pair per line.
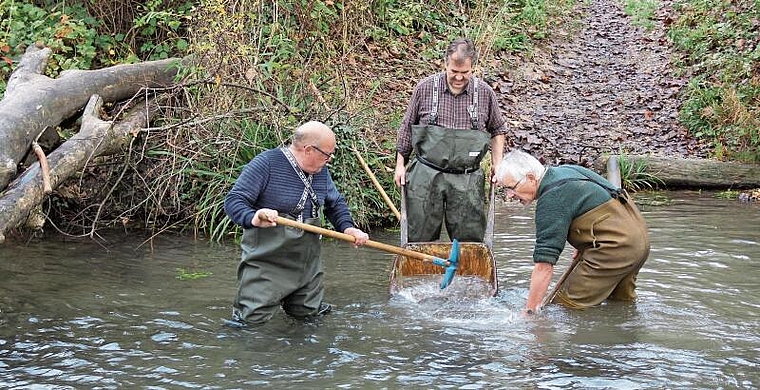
x,y
269,181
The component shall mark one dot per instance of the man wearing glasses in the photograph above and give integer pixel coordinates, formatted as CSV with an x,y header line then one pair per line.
x,y
576,205
282,266
451,121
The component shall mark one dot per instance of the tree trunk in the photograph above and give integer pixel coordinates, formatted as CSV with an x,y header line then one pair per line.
x,y
95,138
693,173
34,102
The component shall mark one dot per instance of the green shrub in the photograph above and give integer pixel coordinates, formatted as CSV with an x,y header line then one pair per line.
x,y
642,12
260,69
68,31
634,176
716,41
79,40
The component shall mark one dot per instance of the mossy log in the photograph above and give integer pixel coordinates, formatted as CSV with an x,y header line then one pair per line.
x,y
694,173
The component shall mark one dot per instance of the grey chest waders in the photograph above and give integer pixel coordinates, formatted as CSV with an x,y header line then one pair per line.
x,y
445,181
281,266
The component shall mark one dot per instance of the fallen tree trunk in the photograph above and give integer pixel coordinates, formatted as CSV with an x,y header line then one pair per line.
x,y
33,102
95,138
694,173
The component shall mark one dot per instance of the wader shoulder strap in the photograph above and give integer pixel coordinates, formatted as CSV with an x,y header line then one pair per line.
x,y
616,193
472,109
433,119
308,191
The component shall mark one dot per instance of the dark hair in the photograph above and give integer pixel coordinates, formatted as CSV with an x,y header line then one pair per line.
x,y
464,48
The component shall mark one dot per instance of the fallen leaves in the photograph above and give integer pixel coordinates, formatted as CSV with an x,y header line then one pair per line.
x,y
605,89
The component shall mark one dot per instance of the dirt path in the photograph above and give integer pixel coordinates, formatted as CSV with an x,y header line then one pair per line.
x,y
605,88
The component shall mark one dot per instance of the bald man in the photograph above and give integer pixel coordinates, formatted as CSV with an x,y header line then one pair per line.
x,y
282,266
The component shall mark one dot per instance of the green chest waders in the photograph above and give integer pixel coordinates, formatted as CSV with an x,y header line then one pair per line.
x,y
280,266
445,182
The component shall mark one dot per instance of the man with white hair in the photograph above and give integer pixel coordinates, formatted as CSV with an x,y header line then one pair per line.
x,y
600,221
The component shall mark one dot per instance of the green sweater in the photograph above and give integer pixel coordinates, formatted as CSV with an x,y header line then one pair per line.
x,y
558,205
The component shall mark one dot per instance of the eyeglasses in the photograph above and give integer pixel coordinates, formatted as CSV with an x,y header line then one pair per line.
x,y
328,156
514,187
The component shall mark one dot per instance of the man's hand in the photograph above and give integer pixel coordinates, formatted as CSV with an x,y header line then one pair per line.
x,y
497,154
360,238
265,218
399,175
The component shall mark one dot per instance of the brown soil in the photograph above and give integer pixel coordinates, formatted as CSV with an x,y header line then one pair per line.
x,y
606,87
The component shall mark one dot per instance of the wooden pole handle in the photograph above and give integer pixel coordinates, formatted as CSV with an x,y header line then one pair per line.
x,y
350,238
550,296
377,184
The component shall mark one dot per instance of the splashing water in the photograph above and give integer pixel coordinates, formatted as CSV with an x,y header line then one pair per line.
x,y
465,301
425,287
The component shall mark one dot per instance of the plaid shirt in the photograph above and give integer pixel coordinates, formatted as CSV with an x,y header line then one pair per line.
x,y
452,110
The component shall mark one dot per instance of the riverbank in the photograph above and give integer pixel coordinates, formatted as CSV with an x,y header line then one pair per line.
x,y
577,81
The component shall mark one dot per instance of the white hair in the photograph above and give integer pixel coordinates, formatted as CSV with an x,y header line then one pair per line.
x,y
517,164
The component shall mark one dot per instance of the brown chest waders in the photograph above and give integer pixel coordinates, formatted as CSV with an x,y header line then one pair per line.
x,y
613,244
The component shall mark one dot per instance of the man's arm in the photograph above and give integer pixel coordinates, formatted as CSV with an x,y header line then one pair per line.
x,y
497,126
240,203
497,153
404,140
539,283
336,208
400,175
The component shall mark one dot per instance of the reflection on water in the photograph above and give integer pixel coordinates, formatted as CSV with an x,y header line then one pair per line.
x,y
75,315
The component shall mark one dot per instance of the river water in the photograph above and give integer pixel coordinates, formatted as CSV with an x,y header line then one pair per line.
x,y
79,314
